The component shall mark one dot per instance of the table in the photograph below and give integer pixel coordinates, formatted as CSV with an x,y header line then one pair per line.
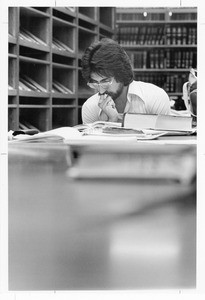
x,y
69,234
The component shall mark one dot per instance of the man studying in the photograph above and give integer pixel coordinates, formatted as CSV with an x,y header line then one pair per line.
x,y
107,69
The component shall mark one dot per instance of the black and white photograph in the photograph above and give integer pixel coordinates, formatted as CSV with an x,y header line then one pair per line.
x,y
101,185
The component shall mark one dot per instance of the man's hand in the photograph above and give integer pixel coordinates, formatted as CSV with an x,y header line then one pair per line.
x,y
108,107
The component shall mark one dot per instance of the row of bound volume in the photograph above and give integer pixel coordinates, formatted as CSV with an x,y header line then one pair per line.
x,y
170,83
123,16
157,35
163,58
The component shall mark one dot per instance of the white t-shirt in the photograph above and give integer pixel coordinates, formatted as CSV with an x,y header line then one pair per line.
x,y
142,97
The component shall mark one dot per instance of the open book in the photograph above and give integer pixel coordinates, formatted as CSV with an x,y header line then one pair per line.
x,y
171,124
115,130
71,135
95,132
97,125
55,135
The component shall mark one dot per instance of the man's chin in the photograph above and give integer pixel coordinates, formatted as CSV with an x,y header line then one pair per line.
x,y
113,96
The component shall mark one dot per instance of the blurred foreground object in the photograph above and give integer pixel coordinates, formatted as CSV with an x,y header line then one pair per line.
x,y
98,234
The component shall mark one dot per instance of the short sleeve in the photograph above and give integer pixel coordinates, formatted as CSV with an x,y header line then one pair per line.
x,y
90,110
160,103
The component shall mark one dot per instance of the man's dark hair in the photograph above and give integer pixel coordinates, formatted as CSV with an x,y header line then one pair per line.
x,y
107,58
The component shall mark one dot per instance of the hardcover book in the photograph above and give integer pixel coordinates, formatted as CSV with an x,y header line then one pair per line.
x,y
158,122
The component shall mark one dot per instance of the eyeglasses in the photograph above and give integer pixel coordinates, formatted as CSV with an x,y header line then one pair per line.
x,y
105,83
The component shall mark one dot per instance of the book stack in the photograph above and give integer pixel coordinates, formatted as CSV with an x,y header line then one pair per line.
x,y
25,125
60,46
60,88
26,35
170,123
26,83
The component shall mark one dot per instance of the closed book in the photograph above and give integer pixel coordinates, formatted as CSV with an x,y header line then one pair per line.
x,y
158,122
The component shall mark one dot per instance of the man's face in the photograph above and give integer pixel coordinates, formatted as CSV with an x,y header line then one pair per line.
x,y
107,85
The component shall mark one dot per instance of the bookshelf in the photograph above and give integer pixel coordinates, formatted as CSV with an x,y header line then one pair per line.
x,y
161,43
45,86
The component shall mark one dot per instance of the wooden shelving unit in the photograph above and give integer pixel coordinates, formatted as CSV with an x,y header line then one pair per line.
x,y
161,43
46,89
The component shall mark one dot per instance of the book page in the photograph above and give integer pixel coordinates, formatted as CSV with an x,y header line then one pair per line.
x,y
53,135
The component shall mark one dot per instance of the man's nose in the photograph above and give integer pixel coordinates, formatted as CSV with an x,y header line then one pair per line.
x,y
101,90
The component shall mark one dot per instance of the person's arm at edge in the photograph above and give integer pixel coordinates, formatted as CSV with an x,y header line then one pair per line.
x,y
161,105
90,110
